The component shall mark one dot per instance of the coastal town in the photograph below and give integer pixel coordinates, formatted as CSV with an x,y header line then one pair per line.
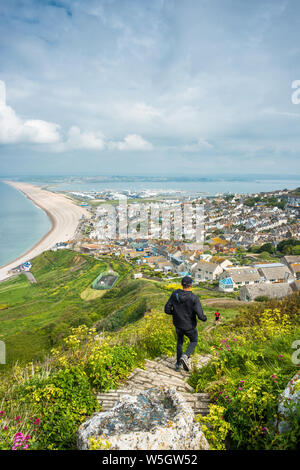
x,y
250,246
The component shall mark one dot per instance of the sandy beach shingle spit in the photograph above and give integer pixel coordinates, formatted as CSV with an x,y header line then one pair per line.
x,y
63,213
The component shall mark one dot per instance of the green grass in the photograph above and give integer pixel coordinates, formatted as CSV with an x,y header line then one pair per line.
x,y
39,315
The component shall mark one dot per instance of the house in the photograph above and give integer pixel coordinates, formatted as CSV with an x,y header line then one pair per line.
x,y
241,275
205,271
290,259
26,266
164,266
274,272
206,257
226,285
272,291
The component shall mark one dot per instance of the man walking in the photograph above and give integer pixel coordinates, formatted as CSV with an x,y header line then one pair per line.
x,y
185,307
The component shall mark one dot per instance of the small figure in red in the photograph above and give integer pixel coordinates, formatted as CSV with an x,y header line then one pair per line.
x,y
217,316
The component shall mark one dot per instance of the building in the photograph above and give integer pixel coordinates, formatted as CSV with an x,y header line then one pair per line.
x,y
274,272
226,285
26,266
263,289
205,271
241,275
293,263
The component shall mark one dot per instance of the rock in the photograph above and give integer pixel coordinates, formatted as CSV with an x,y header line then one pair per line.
x,y
288,400
157,418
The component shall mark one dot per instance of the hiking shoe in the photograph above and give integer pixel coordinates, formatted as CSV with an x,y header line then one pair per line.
x,y
185,362
178,367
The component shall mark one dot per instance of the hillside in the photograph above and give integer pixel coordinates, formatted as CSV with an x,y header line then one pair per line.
x,y
48,400
36,317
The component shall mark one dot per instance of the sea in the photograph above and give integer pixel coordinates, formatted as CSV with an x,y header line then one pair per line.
x,y
207,187
22,224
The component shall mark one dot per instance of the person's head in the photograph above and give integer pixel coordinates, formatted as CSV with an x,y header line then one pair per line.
x,y
186,282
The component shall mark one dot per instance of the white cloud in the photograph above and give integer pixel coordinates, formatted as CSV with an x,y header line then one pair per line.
x,y
197,146
138,112
76,139
131,142
14,129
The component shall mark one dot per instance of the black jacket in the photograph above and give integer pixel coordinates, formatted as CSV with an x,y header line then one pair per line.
x,y
185,308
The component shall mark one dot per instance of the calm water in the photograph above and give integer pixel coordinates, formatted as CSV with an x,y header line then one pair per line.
x,y
22,224
207,187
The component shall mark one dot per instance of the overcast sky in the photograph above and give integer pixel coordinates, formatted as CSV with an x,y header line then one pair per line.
x,y
149,87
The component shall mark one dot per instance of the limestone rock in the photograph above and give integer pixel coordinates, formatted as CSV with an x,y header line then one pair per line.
x,y
289,398
157,418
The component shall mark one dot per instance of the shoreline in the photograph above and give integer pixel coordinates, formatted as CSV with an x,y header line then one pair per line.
x,y
65,215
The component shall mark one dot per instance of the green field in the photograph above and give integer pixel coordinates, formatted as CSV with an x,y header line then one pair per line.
x,y
35,317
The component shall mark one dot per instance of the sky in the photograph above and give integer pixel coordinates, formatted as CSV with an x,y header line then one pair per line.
x,y
149,87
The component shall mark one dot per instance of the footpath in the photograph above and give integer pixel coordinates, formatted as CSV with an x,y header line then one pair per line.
x,y
160,373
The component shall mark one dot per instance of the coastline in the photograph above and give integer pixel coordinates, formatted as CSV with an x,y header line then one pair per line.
x,y
63,214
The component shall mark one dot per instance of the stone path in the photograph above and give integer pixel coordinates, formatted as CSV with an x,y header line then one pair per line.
x,y
158,373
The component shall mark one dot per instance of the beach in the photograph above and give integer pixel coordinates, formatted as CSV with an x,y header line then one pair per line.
x,y
64,216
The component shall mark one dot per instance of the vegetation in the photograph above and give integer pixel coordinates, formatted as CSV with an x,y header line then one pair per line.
x,y
37,316
42,404
251,366
270,201
290,246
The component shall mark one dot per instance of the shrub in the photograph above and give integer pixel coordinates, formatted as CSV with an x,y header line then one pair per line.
x,y
63,401
214,427
107,366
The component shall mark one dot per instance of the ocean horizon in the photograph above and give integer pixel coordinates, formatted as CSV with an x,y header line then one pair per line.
x,y
208,185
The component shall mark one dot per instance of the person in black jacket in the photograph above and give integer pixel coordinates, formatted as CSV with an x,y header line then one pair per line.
x,y
185,307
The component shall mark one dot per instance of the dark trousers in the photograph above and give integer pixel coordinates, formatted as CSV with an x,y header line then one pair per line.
x,y
192,336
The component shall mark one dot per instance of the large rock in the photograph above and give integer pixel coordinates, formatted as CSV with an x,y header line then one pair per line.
x,y
288,400
158,418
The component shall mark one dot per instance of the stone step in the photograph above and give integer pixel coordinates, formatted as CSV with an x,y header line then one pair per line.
x,y
160,375
146,384
167,368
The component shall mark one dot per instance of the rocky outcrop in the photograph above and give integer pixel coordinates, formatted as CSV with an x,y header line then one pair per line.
x,y
288,400
158,418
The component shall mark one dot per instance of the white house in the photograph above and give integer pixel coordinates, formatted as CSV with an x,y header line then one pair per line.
x,y
205,271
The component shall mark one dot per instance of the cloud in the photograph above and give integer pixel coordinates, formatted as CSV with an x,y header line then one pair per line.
x,y
131,142
13,129
76,140
138,112
197,146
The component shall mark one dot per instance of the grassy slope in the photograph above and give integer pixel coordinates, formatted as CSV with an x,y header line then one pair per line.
x,y
39,315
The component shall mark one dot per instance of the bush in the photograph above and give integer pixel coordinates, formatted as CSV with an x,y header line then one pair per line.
x,y
251,366
153,335
262,298
63,401
107,366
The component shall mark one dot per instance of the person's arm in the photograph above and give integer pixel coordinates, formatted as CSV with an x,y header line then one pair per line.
x,y
198,309
169,306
